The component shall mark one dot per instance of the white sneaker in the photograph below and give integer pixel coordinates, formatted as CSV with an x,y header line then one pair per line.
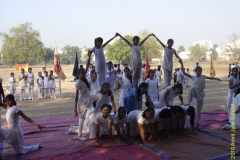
x,y
54,97
82,138
223,127
51,96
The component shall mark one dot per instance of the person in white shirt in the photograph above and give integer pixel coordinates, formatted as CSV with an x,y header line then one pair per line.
x,y
88,74
12,85
194,68
179,76
152,86
121,119
185,78
197,90
52,84
168,60
158,75
139,122
30,83
111,76
93,82
122,66
46,85
40,85
22,84
100,61
136,61
142,73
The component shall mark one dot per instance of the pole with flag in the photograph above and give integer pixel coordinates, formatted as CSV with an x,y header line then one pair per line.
x,y
75,68
57,68
147,68
212,69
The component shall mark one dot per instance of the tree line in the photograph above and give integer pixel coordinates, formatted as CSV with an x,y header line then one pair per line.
x,y
23,45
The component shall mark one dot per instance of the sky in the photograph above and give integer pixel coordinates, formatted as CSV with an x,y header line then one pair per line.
x,y
78,22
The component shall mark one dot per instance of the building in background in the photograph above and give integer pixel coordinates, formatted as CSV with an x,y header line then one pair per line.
x,y
205,43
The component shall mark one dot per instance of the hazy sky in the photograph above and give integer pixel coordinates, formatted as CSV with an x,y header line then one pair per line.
x,y
78,22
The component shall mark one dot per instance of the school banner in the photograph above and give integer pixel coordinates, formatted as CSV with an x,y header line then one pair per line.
x,y
212,69
18,67
57,66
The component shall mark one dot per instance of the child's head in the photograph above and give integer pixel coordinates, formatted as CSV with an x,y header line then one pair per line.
x,y
148,113
143,87
170,43
46,73
115,65
93,74
51,72
81,66
198,71
106,109
179,111
29,70
98,42
118,71
109,64
136,40
43,69
10,100
81,73
40,74
121,112
22,70
178,88
234,71
147,104
151,73
12,74
105,88
144,65
188,69
165,114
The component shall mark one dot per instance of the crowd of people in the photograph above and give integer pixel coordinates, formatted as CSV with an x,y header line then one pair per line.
x,y
95,104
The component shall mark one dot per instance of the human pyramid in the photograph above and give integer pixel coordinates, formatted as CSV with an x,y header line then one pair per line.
x,y
94,100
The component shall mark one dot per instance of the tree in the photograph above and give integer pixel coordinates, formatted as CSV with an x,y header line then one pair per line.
x,y
119,50
197,52
49,56
214,52
22,45
233,49
150,47
69,54
180,49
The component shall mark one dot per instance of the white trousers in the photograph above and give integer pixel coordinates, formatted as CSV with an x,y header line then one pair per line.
x,y
30,91
40,93
22,94
229,102
46,92
167,78
13,92
136,73
52,92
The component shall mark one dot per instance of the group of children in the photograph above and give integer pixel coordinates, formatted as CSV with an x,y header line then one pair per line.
x,y
179,77
45,82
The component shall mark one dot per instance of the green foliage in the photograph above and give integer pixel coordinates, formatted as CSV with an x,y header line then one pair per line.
x,y
69,54
119,50
197,52
180,49
214,52
150,47
22,45
49,56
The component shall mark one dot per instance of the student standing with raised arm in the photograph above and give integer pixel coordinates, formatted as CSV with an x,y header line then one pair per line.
x,y
136,61
197,90
168,60
100,61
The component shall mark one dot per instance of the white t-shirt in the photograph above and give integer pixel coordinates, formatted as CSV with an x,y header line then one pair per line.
x,y
168,58
12,83
136,55
234,80
144,121
30,77
100,120
122,121
40,82
157,112
100,60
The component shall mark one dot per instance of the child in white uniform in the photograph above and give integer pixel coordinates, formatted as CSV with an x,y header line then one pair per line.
x,y
167,95
138,122
12,85
235,113
233,86
158,75
152,86
100,59
186,78
168,60
40,80
197,90
13,134
121,119
22,84
30,83
126,84
93,82
136,61
83,100
52,84
46,84
111,76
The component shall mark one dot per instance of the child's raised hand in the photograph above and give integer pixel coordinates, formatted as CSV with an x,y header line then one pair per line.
x,y
117,34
